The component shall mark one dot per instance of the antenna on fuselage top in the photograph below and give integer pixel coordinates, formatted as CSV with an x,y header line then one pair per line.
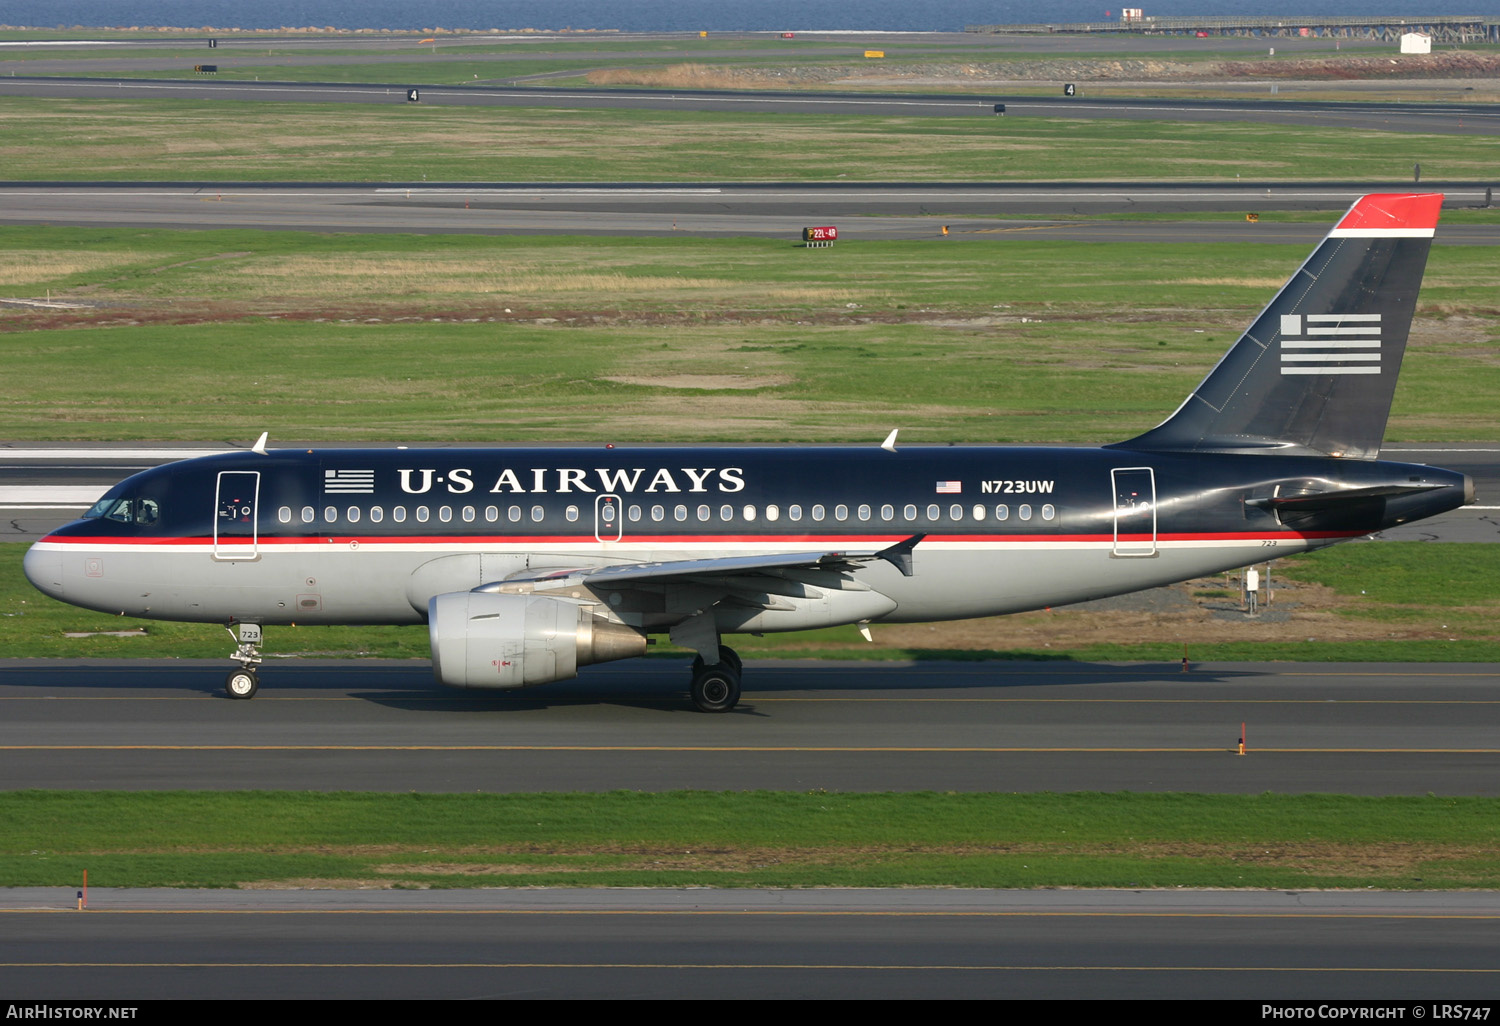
x,y
889,445
260,443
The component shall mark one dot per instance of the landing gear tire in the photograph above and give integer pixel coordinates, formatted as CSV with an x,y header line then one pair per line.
x,y
242,684
728,658
716,689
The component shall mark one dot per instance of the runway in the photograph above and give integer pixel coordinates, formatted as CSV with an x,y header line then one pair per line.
x,y
1476,119
911,944
996,726
877,210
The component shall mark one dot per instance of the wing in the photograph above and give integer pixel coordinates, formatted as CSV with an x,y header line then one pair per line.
x,y
898,555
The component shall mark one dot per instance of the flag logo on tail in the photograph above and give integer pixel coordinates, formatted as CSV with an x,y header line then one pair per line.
x,y
1330,343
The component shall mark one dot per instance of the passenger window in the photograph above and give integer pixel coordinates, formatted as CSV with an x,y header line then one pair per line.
x,y
422,514
933,511
1048,512
749,512
445,513
864,511
1002,512
284,514
468,514
704,513
376,514
978,512
841,512
817,513
399,514
513,514
537,513
352,513
330,515
909,512
887,512
679,513
955,512
658,512
571,513
634,514
794,512
307,514
1023,511
726,513
491,514
773,513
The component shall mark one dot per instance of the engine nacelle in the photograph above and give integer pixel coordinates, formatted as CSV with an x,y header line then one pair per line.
x,y
482,640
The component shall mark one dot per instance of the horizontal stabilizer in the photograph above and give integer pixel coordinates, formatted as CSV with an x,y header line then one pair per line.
x,y
1339,497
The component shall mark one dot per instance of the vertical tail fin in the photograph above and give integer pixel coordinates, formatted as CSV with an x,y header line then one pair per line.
x,y
1316,371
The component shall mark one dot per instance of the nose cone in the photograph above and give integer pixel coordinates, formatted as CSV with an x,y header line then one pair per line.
x,y
43,568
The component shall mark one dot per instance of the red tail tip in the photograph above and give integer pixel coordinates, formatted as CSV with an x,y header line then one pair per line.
x,y
1394,210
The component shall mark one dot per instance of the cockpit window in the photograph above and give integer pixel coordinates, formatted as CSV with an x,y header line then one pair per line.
x,y
124,510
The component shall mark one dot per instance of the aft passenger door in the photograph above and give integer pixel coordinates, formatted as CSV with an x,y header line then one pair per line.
x,y
1135,511
235,532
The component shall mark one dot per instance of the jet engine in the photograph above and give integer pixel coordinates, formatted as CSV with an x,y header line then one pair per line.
x,y
482,640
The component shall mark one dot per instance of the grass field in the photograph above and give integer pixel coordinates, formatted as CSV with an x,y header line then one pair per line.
x,y
100,139
749,839
1398,601
993,338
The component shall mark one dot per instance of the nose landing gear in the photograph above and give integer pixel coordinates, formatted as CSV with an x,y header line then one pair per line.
x,y
244,682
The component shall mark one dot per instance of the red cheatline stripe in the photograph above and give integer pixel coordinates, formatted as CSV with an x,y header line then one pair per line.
x,y
677,539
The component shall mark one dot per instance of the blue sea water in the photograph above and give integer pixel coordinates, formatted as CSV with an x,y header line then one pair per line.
x,y
671,15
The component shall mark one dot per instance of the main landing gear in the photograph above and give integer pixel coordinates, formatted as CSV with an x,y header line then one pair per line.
x,y
716,689
244,682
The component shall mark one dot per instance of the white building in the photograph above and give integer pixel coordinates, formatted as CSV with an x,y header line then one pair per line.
x,y
1416,42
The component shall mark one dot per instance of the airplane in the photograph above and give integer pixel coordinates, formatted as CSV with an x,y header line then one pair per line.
x,y
527,563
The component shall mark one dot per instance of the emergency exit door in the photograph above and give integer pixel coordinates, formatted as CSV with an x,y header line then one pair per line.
x,y
609,516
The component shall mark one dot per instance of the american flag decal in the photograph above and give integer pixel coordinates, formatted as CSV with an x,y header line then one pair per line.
x,y
1330,344
348,482
950,487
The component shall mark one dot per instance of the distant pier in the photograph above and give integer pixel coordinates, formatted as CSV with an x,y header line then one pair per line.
x,y
1446,29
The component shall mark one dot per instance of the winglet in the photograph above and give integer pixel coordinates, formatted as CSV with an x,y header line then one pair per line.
x,y
260,443
899,554
889,445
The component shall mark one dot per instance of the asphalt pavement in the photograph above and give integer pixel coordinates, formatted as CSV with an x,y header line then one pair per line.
x,y
918,944
381,725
